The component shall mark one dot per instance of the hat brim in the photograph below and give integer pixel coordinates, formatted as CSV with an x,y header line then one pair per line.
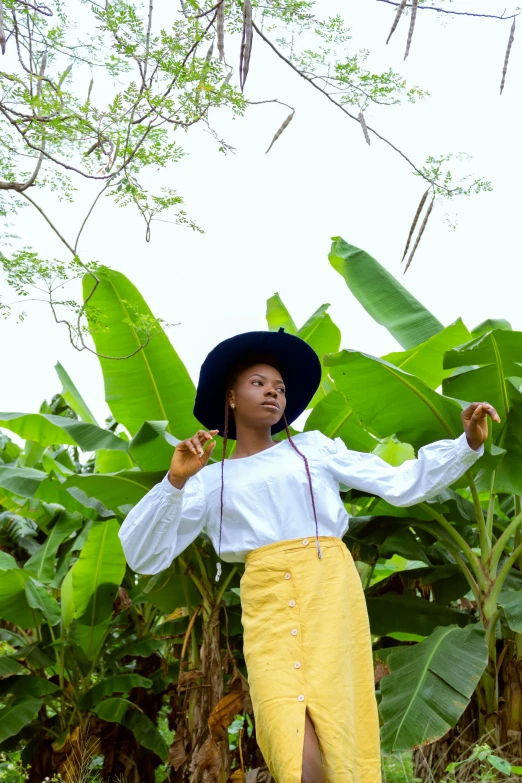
x,y
295,359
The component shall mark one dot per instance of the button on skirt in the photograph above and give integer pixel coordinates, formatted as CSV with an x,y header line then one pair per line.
x,y
307,646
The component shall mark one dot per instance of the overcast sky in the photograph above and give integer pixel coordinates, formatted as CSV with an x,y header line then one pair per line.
x,y
269,219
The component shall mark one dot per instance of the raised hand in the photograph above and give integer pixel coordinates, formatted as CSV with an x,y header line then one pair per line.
x,y
190,456
475,421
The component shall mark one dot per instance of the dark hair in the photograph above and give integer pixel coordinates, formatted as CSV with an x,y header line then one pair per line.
x,y
238,368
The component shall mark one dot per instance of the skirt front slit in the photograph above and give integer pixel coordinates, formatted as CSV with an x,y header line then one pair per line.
x,y
307,646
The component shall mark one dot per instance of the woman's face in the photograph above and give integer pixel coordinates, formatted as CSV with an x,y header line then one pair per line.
x,y
259,397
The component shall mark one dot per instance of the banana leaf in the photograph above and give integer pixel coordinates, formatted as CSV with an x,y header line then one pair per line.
x,y
21,481
277,315
17,715
49,430
389,401
117,490
117,710
410,614
382,296
152,384
72,396
119,683
426,360
334,418
98,573
430,685
511,603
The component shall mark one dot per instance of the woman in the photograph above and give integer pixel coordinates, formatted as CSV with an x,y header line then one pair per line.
x,y
307,641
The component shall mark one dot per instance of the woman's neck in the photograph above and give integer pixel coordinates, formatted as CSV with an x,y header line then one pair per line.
x,y
251,441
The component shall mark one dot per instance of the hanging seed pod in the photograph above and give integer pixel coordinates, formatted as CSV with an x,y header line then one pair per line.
x,y
281,129
398,15
412,229
89,90
364,127
506,59
419,235
65,74
414,4
246,43
41,74
221,30
3,40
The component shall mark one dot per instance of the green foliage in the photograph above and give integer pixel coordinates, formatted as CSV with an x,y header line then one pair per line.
x,y
85,642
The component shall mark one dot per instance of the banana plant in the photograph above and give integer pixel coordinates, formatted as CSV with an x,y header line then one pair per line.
x,y
467,541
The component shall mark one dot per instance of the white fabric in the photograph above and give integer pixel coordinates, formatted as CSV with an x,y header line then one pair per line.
x,y
267,497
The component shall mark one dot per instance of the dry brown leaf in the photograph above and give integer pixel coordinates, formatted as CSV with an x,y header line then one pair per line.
x,y
381,670
238,682
281,129
419,235
412,229
178,750
364,127
187,678
506,58
207,762
224,713
414,4
122,602
246,43
398,15
220,22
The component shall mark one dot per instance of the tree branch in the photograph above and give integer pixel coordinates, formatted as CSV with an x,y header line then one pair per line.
x,y
449,11
352,116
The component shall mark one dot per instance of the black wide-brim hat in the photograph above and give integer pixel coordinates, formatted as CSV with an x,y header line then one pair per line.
x,y
297,362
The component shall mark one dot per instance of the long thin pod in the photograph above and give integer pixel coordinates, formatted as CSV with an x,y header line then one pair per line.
x,y
246,43
414,4
412,229
506,58
364,127
419,235
281,129
398,15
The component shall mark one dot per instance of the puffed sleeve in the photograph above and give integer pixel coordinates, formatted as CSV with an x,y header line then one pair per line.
x,y
164,522
437,465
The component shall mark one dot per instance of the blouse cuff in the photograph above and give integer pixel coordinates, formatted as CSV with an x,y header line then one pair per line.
x,y
465,451
174,494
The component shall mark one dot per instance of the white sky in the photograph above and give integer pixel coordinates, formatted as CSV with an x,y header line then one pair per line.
x,y
269,218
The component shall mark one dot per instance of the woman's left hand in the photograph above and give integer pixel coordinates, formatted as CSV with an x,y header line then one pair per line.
x,y
475,421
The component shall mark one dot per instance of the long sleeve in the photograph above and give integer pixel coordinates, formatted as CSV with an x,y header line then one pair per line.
x,y
437,465
164,523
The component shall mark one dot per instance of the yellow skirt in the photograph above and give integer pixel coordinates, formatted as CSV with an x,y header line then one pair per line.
x,y
307,646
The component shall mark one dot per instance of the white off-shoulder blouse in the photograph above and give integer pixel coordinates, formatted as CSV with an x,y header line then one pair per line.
x,y
267,497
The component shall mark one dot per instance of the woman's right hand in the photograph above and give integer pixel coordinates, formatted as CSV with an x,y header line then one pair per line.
x,y
190,456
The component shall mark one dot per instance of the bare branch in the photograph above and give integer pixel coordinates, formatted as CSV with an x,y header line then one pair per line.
x,y
506,59
449,11
352,116
42,213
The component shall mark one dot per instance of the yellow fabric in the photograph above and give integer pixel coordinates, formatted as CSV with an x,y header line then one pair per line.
x,y
320,649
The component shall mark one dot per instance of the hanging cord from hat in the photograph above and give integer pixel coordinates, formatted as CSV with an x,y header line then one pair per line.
x,y
225,439
317,544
